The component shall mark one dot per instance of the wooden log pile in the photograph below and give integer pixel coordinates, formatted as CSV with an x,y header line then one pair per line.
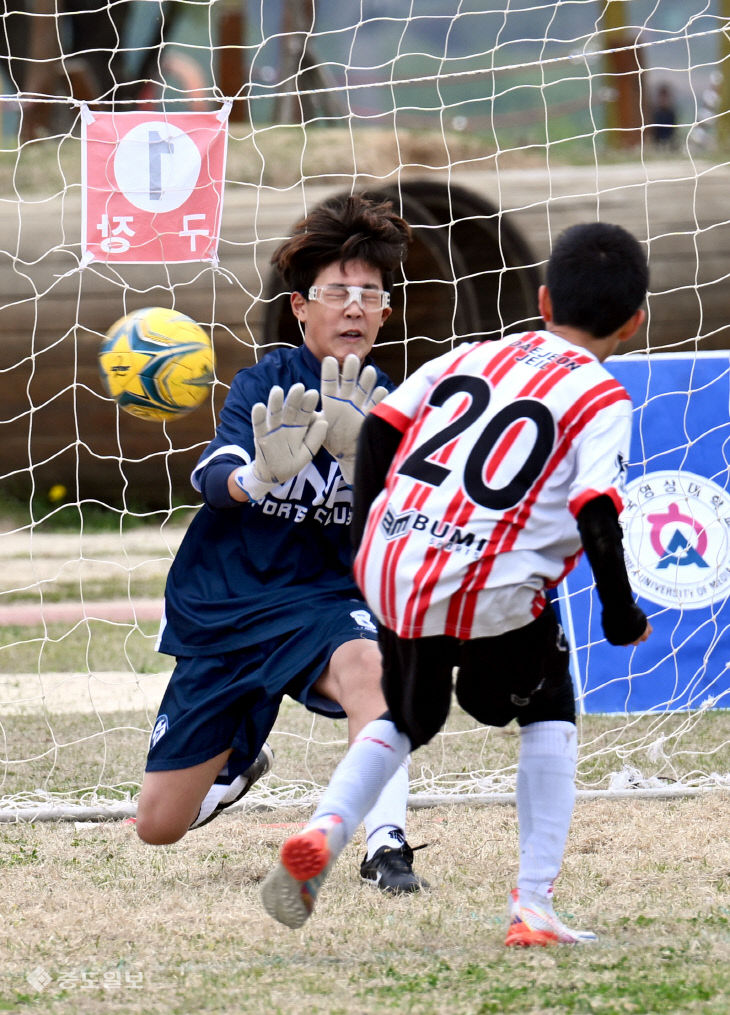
x,y
480,243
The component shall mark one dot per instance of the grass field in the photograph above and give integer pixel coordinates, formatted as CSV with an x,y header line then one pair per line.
x,y
95,922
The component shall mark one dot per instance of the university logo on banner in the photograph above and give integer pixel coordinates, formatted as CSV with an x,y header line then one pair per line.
x,y
676,535
676,527
152,186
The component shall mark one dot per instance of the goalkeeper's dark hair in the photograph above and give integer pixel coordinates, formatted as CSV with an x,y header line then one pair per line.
x,y
597,276
354,227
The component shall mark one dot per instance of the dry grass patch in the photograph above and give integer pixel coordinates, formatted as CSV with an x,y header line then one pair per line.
x,y
185,920
68,733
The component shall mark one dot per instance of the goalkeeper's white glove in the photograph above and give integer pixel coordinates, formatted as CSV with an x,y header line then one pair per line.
x,y
287,434
347,398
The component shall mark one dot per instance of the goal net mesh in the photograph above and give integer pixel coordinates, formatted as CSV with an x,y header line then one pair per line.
x,y
491,126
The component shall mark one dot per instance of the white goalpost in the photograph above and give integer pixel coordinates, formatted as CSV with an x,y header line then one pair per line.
x,y
491,126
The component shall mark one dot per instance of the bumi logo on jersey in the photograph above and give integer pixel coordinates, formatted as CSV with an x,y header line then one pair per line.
x,y
394,525
677,539
443,534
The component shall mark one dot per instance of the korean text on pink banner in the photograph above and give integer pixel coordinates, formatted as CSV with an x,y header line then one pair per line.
x,y
152,186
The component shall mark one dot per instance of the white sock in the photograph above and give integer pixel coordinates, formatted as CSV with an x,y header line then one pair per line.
x,y
385,823
221,792
545,799
371,762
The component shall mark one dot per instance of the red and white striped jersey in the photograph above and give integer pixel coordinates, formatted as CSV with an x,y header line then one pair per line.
x,y
503,443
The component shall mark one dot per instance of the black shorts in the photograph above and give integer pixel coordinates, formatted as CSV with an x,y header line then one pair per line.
x,y
522,674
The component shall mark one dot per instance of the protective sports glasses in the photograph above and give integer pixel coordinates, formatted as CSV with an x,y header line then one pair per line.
x,y
341,296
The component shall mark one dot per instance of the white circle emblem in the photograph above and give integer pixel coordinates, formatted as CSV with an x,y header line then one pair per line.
x,y
676,529
156,166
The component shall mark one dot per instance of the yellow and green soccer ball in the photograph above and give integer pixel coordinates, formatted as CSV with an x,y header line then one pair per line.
x,y
157,364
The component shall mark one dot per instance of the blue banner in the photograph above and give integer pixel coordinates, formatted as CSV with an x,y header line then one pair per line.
x,y
676,525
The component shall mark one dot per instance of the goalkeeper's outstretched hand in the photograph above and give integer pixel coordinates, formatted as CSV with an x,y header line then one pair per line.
x,y
347,398
287,433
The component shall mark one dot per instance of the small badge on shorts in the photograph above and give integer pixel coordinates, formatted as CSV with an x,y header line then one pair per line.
x,y
363,619
159,730
522,702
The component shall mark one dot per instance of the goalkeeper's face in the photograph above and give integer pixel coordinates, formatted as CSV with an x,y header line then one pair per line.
x,y
337,322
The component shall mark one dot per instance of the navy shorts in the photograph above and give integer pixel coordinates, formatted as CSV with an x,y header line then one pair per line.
x,y
213,703
522,674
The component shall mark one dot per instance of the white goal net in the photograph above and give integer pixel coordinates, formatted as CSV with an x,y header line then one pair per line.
x,y
491,125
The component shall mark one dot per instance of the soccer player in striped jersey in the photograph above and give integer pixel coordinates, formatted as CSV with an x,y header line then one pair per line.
x,y
260,600
477,484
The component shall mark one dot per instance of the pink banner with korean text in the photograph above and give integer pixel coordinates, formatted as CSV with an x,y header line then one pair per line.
x,y
152,186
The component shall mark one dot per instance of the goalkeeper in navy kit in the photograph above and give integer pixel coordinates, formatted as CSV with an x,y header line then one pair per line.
x,y
260,600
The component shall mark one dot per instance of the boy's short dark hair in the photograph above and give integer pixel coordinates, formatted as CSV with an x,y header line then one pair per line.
x,y
597,276
343,229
